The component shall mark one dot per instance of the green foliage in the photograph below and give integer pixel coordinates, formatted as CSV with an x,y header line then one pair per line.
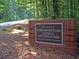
x,y
34,9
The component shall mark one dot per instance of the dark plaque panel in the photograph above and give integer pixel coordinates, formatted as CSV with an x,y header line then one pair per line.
x,y
49,33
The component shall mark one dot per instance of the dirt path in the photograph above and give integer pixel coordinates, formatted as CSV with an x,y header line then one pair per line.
x,y
11,46
16,46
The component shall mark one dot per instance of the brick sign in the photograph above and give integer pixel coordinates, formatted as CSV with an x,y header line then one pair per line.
x,y
51,33
54,33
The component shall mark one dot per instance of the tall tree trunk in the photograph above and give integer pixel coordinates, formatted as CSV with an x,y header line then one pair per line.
x,y
55,7
71,8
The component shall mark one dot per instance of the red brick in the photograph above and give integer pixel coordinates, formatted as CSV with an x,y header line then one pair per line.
x,y
69,32
70,44
69,38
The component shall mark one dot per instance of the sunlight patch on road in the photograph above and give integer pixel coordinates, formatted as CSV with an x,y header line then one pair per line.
x,y
33,53
25,34
27,42
16,31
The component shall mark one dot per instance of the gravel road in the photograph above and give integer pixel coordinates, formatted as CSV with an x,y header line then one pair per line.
x,y
16,46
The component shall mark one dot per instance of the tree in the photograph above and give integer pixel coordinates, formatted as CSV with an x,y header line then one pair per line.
x,y
55,7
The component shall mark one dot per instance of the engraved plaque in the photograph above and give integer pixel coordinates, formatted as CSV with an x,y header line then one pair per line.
x,y
50,33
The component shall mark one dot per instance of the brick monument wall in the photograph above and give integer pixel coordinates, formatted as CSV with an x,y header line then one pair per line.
x,y
69,35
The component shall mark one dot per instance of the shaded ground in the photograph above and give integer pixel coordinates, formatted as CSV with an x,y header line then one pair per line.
x,y
16,46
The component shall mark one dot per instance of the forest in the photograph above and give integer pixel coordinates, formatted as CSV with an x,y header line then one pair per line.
x,y
12,10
